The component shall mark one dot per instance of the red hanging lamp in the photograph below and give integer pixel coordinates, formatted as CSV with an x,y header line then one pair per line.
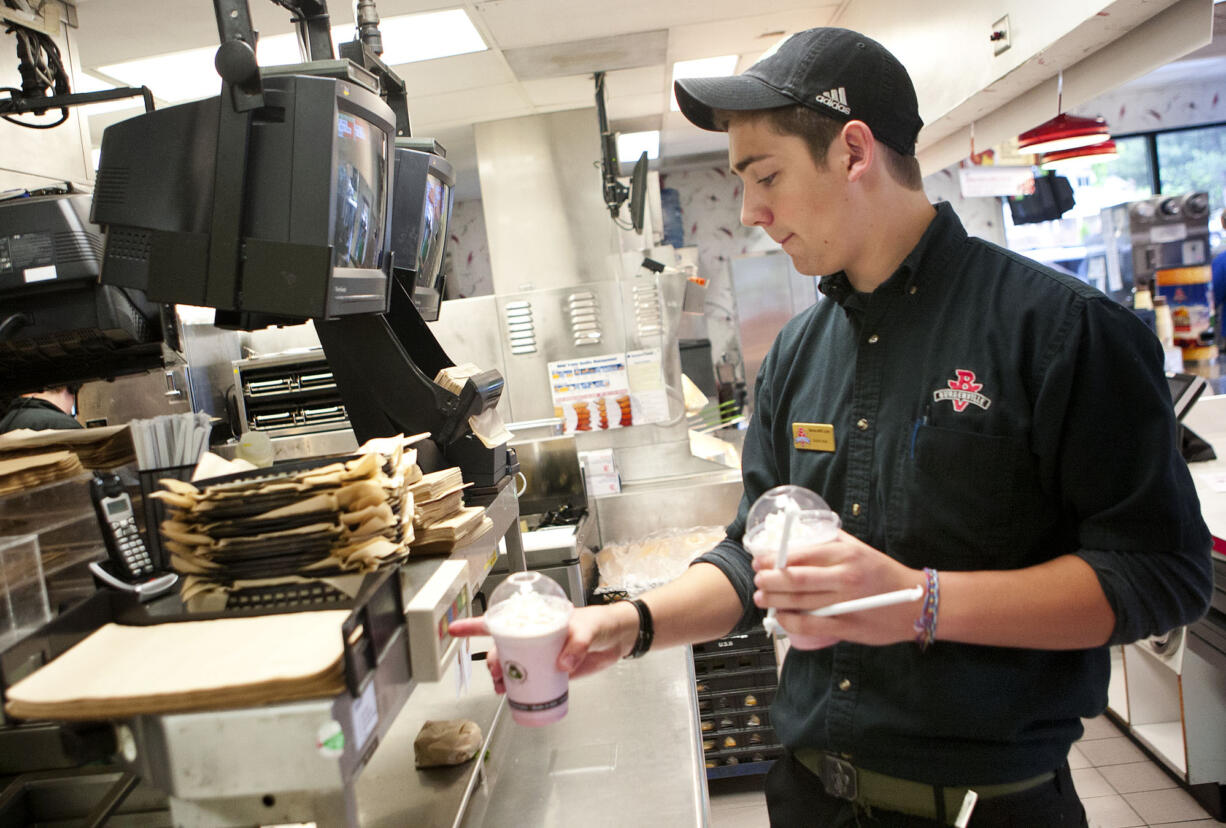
x,y
1064,132
1096,152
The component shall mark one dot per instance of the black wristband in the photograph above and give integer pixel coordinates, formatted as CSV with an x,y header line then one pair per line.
x,y
646,631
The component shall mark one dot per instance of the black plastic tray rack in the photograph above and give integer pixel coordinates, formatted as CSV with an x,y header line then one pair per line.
x,y
735,681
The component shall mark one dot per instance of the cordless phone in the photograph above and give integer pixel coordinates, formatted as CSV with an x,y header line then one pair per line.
x,y
129,568
118,523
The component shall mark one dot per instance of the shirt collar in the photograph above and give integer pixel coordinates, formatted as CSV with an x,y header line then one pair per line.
x,y
934,248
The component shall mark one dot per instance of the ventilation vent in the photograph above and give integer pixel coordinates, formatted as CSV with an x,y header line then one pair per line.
x,y
111,186
521,330
77,246
130,245
648,317
584,313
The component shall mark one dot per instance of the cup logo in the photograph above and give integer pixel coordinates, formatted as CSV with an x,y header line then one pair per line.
x,y
514,671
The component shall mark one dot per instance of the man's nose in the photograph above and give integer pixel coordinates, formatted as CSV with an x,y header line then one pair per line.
x,y
754,213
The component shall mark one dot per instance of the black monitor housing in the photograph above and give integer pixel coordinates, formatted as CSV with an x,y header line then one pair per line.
x,y
58,326
315,202
422,199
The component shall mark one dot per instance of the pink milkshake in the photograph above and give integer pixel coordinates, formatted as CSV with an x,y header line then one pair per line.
x,y
529,618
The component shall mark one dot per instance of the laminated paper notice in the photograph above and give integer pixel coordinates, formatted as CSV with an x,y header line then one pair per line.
x,y
609,391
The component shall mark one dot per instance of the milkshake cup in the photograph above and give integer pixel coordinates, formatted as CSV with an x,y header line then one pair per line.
x,y
783,522
529,618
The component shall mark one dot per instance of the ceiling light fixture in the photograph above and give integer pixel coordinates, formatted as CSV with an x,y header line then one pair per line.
x,y
1103,151
630,145
189,75
1063,132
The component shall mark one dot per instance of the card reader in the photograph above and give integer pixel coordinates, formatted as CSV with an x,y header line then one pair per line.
x,y
445,597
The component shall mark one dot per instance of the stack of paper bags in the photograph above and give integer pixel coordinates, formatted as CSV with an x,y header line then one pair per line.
x,y
328,522
19,473
440,519
121,671
97,448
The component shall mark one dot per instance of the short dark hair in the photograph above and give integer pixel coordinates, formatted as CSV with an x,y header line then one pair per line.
x,y
819,132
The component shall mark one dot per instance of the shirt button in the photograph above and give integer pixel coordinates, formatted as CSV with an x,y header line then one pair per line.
x,y
872,340
855,508
845,685
913,290
862,424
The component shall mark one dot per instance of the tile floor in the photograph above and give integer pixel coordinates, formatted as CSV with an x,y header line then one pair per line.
x,y
1119,785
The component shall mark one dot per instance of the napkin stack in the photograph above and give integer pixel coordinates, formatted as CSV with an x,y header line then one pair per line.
x,y
295,524
440,519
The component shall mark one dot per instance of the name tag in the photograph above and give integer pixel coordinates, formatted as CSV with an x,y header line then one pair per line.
x,y
813,436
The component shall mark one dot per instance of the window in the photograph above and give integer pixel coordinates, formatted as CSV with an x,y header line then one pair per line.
x,y
1096,185
1195,159
1176,161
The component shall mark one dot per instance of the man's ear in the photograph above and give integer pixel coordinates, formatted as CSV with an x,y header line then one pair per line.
x,y
858,142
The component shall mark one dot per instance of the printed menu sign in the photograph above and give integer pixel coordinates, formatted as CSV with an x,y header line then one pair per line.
x,y
609,391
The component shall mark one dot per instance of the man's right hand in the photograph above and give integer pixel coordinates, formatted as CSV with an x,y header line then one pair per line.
x,y
599,636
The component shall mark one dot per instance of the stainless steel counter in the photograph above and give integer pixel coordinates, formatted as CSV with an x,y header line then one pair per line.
x,y
627,753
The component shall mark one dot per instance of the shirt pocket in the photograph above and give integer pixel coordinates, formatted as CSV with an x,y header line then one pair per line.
x,y
957,497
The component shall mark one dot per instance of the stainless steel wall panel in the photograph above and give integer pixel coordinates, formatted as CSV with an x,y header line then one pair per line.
x,y
541,193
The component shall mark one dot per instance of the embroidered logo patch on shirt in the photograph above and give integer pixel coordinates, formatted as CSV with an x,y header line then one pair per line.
x,y
962,391
813,436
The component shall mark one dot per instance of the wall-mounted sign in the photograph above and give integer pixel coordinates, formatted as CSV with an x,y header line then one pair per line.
x,y
609,390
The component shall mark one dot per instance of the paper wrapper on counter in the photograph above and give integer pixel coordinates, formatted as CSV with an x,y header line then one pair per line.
x,y
451,742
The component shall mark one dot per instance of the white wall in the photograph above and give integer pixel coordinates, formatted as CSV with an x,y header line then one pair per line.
x,y
32,158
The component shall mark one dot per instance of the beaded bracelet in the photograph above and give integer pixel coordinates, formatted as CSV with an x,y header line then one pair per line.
x,y
926,624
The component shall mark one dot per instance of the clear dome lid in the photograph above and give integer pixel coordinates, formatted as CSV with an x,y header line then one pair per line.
x,y
525,583
527,603
790,512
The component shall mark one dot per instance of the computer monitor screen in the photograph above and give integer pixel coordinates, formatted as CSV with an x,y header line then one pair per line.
x,y
358,206
421,215
434,229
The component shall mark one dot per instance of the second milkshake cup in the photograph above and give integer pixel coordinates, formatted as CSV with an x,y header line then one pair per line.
x,y
811,523
529,618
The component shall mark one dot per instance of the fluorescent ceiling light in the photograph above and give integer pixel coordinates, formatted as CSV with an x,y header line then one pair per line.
x,y
630,145
189,75
716,67
176,77
412,37
85,82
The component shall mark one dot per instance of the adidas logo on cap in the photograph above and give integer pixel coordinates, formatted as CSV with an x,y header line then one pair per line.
x,y
835,99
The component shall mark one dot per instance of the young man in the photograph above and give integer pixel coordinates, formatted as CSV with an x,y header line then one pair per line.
x,y
995,432
50,408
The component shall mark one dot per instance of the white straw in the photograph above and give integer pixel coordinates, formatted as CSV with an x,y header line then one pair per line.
x,y
769,623
884,599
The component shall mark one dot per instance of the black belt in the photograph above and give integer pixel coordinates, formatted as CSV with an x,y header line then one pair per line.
x,y
844,780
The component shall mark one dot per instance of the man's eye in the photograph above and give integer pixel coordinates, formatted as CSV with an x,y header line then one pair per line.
x,y
767,180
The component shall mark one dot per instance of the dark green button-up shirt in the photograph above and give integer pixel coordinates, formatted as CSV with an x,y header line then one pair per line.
x,y
988,413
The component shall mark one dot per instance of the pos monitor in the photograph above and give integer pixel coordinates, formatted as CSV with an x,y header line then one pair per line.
x,y
421,213
315,201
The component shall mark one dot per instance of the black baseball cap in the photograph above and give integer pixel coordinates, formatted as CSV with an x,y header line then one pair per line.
x,y
836,72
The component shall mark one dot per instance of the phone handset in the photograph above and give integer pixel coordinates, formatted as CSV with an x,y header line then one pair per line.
x,y
130,568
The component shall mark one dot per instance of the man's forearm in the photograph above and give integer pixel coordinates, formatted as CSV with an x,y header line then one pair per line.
x,y
1057,605
700,605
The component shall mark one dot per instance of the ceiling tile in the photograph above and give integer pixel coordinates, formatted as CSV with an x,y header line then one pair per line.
x,y
467,106
581,57
433,77
519,23
747,35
